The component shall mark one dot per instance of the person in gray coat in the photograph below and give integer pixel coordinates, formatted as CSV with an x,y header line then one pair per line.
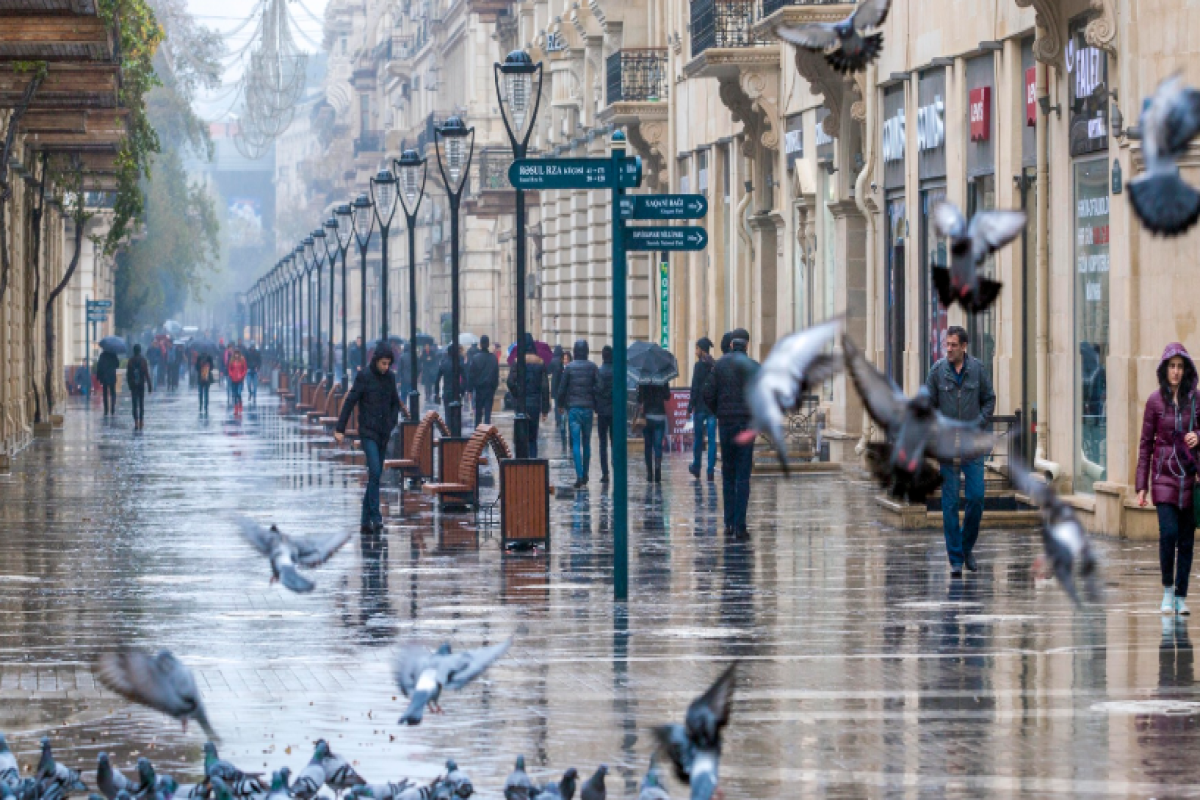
x,y
577,394
961,389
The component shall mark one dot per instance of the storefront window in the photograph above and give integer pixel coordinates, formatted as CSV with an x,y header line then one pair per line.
x,y
894,279
1091,323
981,327
934,252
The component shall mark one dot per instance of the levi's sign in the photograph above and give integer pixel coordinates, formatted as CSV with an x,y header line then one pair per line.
x,y
664,206
687,237
574,173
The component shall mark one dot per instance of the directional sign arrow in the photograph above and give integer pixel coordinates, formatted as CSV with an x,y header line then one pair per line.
x,y
664,206
573,173
97,318
689,237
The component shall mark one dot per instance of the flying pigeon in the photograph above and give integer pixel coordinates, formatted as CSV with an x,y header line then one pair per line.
x,y
518,786
422,675
970,244
1170,120
564,789
843,43
652,788
234,781
159,682
10,772
339,775
1067,547
796,365
915,430
54,777
289,552
593,788
109,779
695,746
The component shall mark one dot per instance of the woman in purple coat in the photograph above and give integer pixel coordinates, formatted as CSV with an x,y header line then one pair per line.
x,y
1167,469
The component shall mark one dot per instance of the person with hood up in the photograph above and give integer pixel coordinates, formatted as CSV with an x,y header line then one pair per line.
x,y
205,376
577,394
725,394
1166,468
704,422
537,391
237,376
483,378
106,374
604,408
374,395
137,375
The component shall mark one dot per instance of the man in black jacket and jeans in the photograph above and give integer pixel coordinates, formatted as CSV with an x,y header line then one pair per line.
x,y
374,394
577,393
483,378
137,375
604,408
704,422
725,394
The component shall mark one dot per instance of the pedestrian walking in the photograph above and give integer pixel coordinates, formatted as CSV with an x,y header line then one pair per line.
x,y
356,354
374,394
652,405
558,362
429,373
725,394
577,394
483,376
253,365
173,367
704,422
137,375
604,408
1166,468
536,394
442,392
961,389
237,376
106,375
154,357
205,375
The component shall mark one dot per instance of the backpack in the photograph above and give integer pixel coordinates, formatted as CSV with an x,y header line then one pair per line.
x,y
204,373
137,376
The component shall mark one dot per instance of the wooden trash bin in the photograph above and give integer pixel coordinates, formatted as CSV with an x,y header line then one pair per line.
x,y
524,503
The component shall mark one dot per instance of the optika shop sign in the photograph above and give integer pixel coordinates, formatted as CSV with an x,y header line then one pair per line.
x,y
931,125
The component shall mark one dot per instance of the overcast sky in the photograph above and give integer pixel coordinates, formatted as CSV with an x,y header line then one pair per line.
x,y
227,15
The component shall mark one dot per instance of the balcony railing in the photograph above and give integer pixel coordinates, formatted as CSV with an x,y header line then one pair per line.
x,y
369,142
730,23
637,75
493,170
769,7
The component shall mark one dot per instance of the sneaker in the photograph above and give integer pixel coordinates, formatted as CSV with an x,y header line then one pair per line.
x,y
1181,608
712,476
695,470
956,572
604,478
1168,603
972,564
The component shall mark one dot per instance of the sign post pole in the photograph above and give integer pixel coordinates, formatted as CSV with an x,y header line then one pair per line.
x,y
620,439
87,346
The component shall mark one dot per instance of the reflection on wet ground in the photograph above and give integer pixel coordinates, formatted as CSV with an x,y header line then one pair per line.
x,y
866,670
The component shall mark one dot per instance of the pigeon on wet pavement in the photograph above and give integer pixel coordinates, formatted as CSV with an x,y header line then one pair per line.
x,y
844,44
593,788
796,365
652,788
51,775
916,430
970,244
422,674
150,785
312,777
10,771
339,775
278,790
1161,199
695,746
287,553
564,788
382,791
160,682
518,786
458,780
235,782
109,779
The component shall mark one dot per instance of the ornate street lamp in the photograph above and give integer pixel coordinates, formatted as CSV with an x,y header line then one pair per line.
x,y
413,171
329,240
345,230
310,263
364,224
383,194
458,142
319,255
519,90
298,272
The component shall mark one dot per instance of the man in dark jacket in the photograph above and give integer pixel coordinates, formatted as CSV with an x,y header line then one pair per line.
x,y
106,374
725,394
961,389
604,408
253,365
444,378
577,394
205,376
704,422
483,376
374,395
137,375
428,364
537,391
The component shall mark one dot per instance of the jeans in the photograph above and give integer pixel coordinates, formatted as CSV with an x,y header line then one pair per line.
x,y
252,384
704,426
371,514
1176,532
580,421
110,397
604,433
204,396
532,420
483,406
237,392
737,461
961,541
139,402
652,438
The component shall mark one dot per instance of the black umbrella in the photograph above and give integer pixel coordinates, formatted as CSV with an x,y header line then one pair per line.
x,y
648,363
424,339
205,346
113,344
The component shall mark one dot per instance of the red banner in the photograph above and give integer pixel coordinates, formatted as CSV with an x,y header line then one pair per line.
x,y
980,109
1031,107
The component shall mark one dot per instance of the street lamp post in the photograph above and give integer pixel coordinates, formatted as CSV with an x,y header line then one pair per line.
x,y
363,223
332,248
319,253
413,171
298,271
310,263
383,195
519,90
458,141
345,229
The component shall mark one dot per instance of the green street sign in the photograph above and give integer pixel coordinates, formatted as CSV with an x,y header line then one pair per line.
x,y
664,206
687,237
97,316
99,303
574,173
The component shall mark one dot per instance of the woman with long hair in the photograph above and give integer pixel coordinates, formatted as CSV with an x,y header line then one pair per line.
x,y
237,375
1167,470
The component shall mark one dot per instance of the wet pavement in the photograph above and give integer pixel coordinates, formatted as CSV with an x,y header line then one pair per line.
x,y
865,671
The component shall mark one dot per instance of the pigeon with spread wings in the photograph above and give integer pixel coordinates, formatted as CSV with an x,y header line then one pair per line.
x,y
160,682
1170,120
422,674
288,553
694,747
970,243
846,45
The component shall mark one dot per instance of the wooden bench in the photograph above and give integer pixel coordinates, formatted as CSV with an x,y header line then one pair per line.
x,y
308,395
319,399
524,504
333,402
465,490
417,447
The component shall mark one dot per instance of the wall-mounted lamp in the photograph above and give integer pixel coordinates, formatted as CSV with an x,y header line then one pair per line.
x,y
1117,185
1044,105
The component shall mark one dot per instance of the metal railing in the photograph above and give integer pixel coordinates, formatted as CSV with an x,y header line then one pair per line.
x,y
769,7
493,169
730,23
636,74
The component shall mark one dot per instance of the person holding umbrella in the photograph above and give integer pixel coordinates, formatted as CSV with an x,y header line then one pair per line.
x,y
652,402
106,374
204,377
537,391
